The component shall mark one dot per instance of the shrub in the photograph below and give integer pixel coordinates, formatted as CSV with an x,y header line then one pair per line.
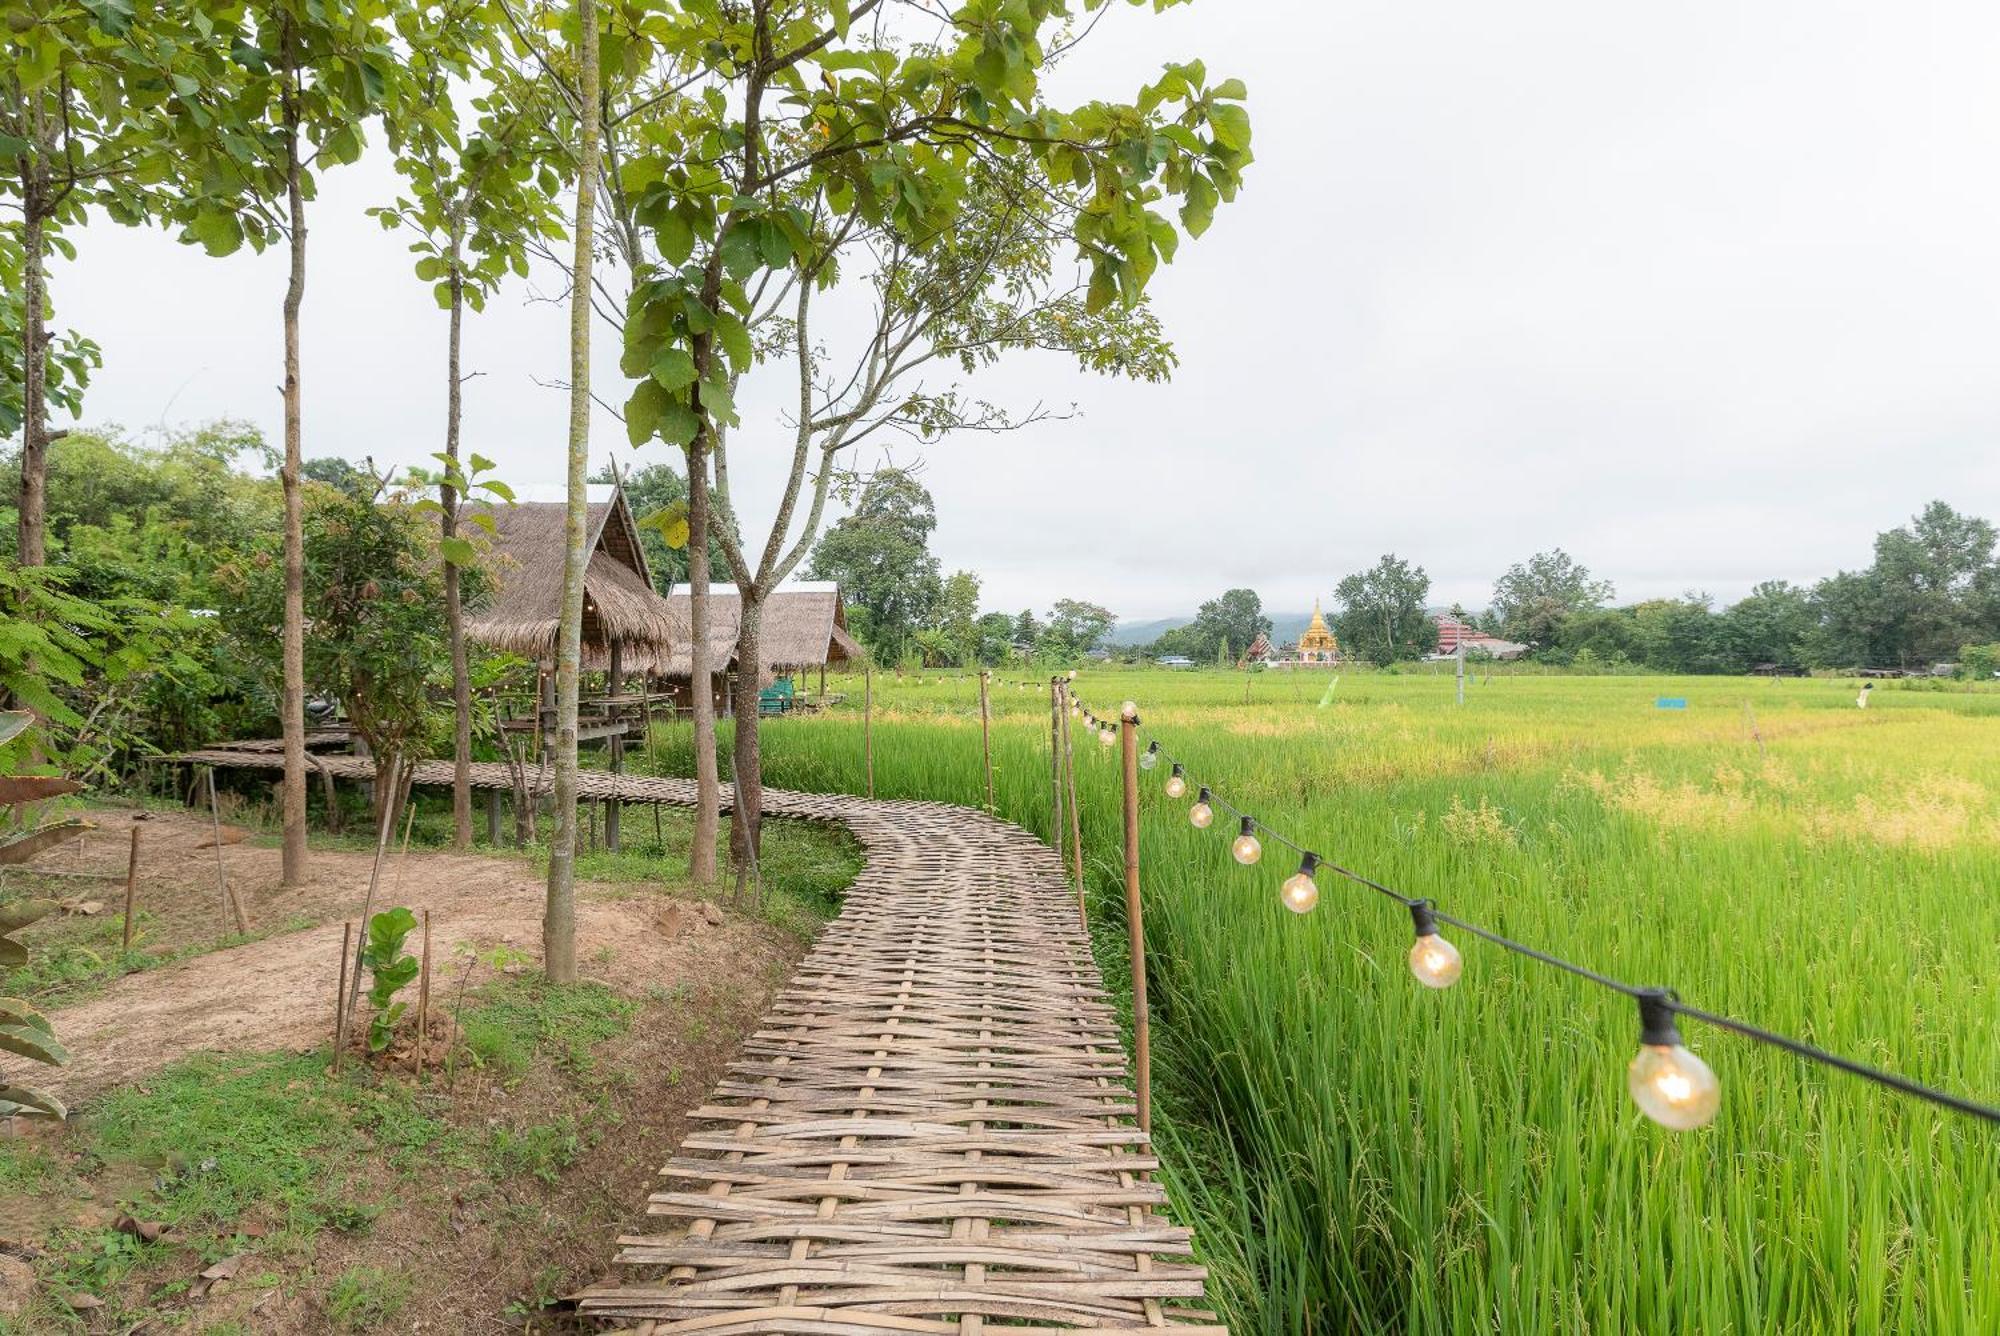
x,y
389,971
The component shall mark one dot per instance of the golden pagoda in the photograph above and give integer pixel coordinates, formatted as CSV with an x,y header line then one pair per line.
x,y
1318,645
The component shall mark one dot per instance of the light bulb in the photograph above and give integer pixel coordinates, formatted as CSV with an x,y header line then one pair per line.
x,y
1072,674
1106,736
1669,1084
1434,961
1075,710
1201,813
1245,848
1300,892
1149,757
1176,782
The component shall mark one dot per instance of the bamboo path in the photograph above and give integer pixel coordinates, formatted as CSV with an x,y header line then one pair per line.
x,y
931,1130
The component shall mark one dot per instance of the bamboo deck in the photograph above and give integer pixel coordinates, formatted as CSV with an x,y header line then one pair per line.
x,y
931,1130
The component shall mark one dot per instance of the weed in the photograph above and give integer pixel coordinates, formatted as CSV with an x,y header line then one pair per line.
x,y
363,1297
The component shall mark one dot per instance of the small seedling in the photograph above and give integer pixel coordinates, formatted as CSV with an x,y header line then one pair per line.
x,y
389,971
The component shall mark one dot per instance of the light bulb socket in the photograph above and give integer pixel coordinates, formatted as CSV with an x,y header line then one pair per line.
x,y
1154,748
1204,795
1656,1018
1179,771
1308,865
1247,826
1423,917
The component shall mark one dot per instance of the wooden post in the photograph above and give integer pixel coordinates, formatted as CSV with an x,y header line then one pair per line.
x,y
229,904
1075,822
331,795
986,738
1135,923
615,684
131,887
1055,767
493,817
424,996
868,725
340,993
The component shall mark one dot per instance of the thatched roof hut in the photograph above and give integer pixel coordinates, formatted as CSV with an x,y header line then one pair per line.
x,y
804,626
619,605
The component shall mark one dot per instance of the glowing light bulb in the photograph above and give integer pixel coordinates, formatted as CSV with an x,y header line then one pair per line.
x,y
1245,848
1177,782
1072,674
1149,757
1669,1084
1106,736
1075,710
1434,961
1201,813
1300,892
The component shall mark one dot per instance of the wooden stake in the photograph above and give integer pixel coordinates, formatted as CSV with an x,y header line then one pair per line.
x,y
229,903
353,986
340,993
986,738
868,724
1135,923
1075,822
1055,767
131,887
424,997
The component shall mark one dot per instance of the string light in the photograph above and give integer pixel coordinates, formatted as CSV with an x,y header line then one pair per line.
x,y
1434,961
1105,735
1246,848
1669,1084
1300,892
1149,757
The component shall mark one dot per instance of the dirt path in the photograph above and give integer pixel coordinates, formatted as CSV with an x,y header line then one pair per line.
x,y
277,993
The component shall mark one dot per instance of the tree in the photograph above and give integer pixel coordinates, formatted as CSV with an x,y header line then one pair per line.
x,y
1076,627
1775,624
81,100
658,497
881,556
475,203
1934,585
283,97
1236,618
958,616
1533,599
1027,631
1383,618
832,137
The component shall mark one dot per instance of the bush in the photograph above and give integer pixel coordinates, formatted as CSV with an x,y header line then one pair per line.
x,y
1981,663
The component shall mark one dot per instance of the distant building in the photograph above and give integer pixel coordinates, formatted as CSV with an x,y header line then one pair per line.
x,y
1259,651
1317,646
1452,633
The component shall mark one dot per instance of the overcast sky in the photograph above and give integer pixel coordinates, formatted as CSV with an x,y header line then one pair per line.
x,y
1705,294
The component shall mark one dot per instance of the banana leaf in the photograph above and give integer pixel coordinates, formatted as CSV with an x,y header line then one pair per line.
x,y
30,1042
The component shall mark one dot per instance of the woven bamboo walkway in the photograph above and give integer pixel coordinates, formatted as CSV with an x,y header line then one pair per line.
x,y
930,1131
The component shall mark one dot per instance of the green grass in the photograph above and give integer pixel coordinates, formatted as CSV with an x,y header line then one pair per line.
x,y
515,1018
1361,1153
365,1297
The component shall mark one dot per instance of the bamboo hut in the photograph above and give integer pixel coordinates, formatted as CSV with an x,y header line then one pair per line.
x,y
804,629
625,623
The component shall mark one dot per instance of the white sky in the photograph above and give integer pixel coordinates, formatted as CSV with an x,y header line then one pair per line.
x,y
1705,294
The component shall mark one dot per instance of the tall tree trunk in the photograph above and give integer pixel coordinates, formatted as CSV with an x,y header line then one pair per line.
x,y
747,811
708,783
559,920
32,545
292,701
454,613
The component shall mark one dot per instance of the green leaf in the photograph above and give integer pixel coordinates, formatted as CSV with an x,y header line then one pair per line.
x,y
497,488
16,1011
22,848
28,1100
673,369
480,463
671,523
1231,90
678,424
1231,126
458,551
718,400
739,249
13,723
735,338
842,16
29,1042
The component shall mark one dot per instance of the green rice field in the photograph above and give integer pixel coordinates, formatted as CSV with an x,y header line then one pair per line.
x,y
1359,1153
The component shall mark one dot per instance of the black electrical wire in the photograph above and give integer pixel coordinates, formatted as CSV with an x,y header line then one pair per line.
x,y
1798,1047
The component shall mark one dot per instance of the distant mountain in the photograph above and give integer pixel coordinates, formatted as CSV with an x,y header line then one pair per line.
x,y
1285,627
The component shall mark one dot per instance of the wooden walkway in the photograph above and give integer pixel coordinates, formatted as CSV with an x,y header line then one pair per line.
x,y
930,1131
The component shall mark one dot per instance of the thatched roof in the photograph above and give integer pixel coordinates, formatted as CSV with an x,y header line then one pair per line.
x,y
804,626
526,562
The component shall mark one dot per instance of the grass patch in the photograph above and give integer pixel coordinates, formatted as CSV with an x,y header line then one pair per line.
x,y
364,1297
514,1019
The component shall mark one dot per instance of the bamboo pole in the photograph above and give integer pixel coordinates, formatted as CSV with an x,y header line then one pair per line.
x,y
1135,923
229,904
131,887
868,724
1055,767
424,997
1075,823
340,993
986,737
